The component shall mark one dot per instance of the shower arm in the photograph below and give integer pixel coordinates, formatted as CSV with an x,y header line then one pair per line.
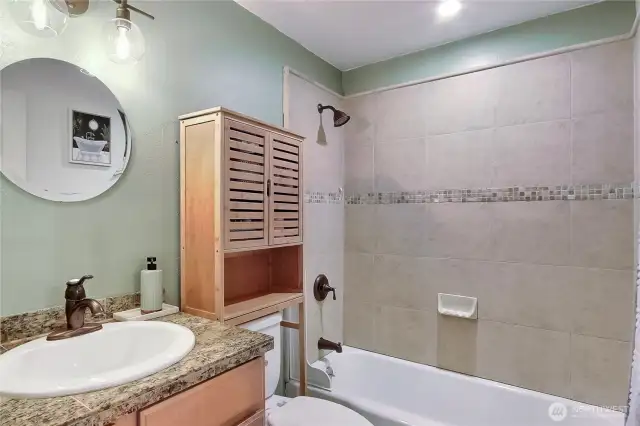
x,y
322,108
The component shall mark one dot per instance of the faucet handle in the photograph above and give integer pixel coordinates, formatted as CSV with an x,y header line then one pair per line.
x,y
321,288
75,289
332,289
79,281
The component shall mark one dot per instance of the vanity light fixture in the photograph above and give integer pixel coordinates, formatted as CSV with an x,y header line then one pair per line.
x,y
449,8
41,18
124,42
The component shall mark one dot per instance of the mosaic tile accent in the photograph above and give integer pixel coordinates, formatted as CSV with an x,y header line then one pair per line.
x,y
489,195
324,197
30,324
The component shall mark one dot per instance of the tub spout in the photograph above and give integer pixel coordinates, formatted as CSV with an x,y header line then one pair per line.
x,y
329,345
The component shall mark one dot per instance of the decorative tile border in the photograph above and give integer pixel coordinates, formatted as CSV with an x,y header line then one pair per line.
x,y
30,324
324,197
488,195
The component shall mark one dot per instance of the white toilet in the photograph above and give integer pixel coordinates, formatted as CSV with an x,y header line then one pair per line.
x,y
300,411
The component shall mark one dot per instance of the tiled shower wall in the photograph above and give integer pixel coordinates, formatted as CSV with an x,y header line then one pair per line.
x,y
553,275
323,211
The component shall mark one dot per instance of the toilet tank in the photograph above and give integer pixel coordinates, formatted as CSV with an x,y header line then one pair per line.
x,y
271,326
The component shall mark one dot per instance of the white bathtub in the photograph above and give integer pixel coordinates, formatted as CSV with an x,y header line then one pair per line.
x,y
392,392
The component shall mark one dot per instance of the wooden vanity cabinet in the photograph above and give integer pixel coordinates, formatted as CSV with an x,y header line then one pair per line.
x,y
236,398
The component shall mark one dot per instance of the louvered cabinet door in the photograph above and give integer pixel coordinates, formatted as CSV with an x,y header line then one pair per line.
x,y
286,192
247,166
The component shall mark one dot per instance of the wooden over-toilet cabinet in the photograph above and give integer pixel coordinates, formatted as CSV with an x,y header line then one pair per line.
x,y
241,219
241,216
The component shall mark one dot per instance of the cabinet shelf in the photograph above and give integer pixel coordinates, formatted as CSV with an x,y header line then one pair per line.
x,y
260,306
246,249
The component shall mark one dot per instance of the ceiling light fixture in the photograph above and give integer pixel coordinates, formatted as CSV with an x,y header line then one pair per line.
x,y
449,8
124,42
41,18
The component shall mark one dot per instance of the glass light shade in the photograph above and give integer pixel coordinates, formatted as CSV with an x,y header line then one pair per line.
x,y
41,18
124,42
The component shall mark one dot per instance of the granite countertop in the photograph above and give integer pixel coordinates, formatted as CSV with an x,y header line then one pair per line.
x,y
218,348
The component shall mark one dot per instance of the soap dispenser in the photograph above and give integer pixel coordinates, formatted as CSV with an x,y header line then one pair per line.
x,y
151,289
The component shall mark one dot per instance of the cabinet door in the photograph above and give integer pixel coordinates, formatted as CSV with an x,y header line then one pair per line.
x,y
246,169
227,400
286,191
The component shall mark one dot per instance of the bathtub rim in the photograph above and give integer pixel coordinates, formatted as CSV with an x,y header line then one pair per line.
x,y
615,417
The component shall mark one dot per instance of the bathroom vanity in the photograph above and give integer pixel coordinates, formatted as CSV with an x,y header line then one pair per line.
x,y
220,382
234,398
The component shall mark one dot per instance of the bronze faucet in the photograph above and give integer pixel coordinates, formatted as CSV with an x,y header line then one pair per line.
x,y
74,308
329,345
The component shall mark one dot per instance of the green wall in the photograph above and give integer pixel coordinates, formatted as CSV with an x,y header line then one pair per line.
x,y
595,22
200,55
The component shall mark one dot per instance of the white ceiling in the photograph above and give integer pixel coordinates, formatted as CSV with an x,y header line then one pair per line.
x,y
352,33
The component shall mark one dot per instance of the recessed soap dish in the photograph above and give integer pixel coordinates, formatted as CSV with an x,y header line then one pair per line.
x,y
458,306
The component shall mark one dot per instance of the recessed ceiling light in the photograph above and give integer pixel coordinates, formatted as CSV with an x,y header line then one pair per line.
x,y
449,8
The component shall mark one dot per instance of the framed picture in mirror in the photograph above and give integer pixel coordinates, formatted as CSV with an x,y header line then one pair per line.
x,y
90,139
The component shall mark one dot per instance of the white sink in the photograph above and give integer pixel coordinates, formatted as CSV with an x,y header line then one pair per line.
x,y
117,354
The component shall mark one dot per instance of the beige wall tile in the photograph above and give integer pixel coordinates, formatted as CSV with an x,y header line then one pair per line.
x,y
360,233
358,324
603,148
363,113
459,230
603,303
323,318
602,78
332,311
401,114
530,295
358,161
532,154
403,282
359,138
523,356
534,91
602,234
406,334
313,329
358,271
463,277
462,103
459,160
400,165
531,232
457,344
600,370
326,236
402,229
323,150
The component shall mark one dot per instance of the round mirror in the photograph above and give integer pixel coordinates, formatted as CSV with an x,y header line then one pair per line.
x,y
64,134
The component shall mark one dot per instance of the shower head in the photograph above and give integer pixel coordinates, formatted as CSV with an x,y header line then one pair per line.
x,y
340,118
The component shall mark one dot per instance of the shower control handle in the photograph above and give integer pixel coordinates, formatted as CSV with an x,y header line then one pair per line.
x,y
321,288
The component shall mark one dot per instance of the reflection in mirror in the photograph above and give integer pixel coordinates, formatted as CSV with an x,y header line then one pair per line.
x,y
65,136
